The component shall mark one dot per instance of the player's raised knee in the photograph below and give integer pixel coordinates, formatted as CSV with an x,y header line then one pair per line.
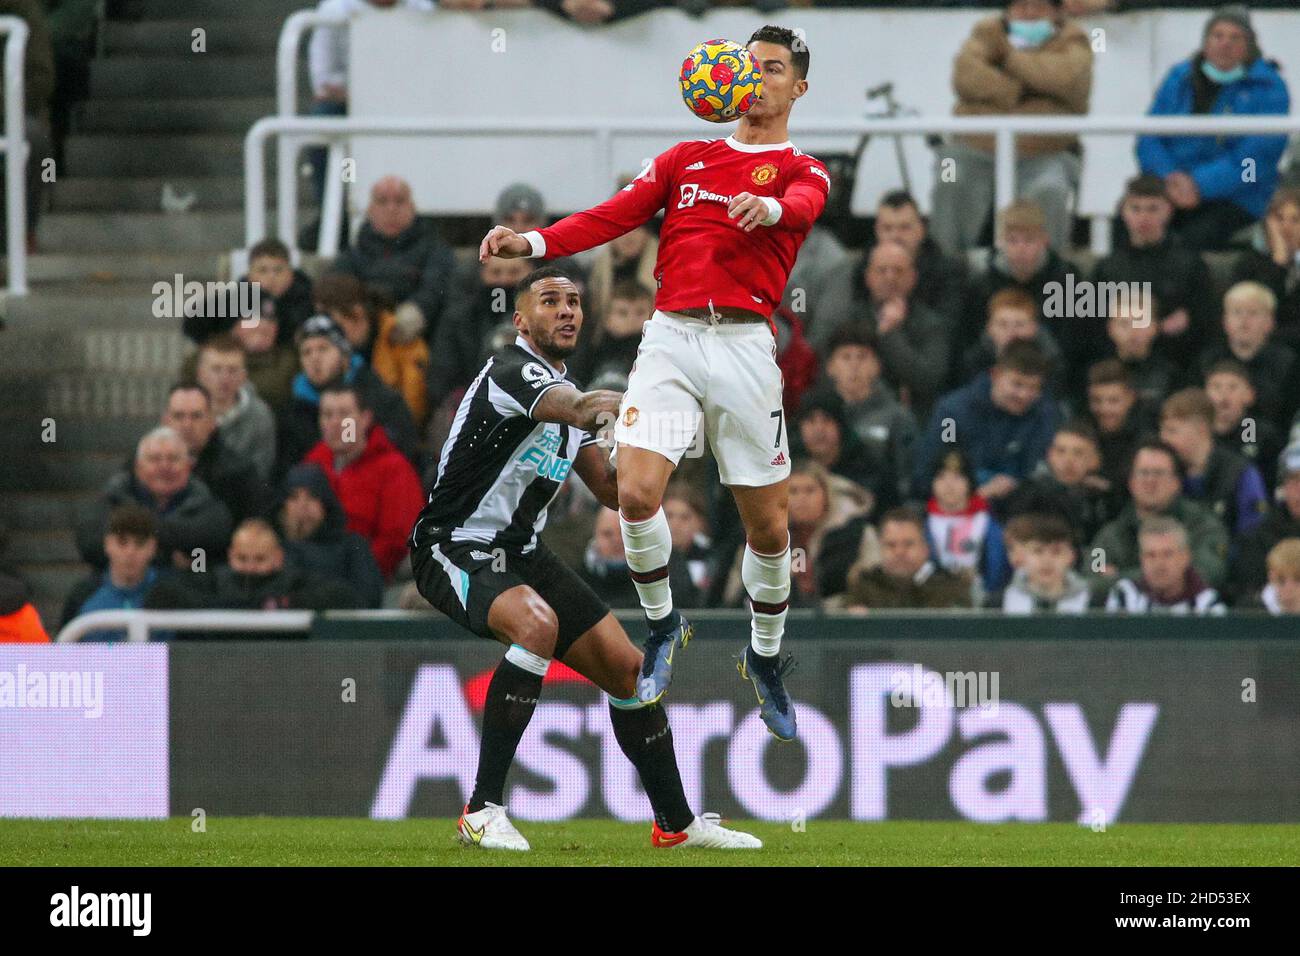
x,y
536,628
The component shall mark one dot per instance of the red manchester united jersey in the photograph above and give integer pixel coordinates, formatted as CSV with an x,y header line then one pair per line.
x,y
704,256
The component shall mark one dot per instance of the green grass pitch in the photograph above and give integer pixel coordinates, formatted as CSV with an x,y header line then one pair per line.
x,y
267,841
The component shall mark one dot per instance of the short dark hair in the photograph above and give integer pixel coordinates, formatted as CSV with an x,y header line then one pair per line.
x,y
132,521
850,335
1230,366
897,199
1110,371
1147,186
1024,357
343,388
189,386
1045,529
903,514
537,275
1161,448
269,249
792,41
1080,429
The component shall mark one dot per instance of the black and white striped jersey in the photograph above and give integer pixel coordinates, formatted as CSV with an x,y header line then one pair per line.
x,y
500,468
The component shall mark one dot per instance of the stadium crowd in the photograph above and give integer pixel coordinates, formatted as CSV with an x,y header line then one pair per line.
x,y
973,425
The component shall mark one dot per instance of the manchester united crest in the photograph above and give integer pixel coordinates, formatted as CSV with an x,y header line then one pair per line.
x,y
764,174
630,416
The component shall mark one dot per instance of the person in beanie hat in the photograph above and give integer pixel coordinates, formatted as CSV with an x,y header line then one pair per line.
x,y
326,357
521,207
822,433
1203,174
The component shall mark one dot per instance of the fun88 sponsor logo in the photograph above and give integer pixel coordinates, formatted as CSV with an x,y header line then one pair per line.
x,y
543,453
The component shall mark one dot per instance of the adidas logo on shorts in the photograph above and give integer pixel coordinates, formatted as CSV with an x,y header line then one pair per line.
x,y
779,459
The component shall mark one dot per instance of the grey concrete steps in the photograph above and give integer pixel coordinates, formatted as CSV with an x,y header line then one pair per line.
x,y
72,471
153,154
233,114
111,265
144,194
215,230
43,547
188,75
37,511
171,37
79,434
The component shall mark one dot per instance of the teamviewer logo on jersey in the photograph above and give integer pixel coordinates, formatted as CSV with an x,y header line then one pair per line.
x,y
692,193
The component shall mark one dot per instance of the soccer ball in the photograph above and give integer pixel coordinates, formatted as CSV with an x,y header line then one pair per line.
x,y
720,81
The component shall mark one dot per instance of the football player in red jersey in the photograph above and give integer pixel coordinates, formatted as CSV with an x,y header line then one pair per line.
x,y
736,211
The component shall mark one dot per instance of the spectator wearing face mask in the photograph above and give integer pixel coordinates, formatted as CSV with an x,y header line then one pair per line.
x,y
1203,177
1030,61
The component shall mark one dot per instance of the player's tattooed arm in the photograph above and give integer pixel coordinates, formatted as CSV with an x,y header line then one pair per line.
x,y
589,411
597,472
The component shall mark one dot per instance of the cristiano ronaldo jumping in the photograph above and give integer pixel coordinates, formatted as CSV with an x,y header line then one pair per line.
x,y
736,211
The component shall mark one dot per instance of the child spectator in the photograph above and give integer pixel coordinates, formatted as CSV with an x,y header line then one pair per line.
x,y
1282,596
287,291
1046,581
367,319
1013,316
1248,324
1069,484
1168,582
963,535
131,543
1249,569
1256,439
1220,479
871,410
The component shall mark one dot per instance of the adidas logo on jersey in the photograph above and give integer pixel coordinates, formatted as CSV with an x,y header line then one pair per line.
x,y
481,556
699,165
779,459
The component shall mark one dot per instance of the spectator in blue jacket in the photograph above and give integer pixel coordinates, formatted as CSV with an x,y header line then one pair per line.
x,y
1002,421
1218,184
131,543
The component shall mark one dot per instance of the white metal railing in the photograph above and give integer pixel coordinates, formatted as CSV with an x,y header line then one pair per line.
x,y
286,104
14,146
335,131
138,624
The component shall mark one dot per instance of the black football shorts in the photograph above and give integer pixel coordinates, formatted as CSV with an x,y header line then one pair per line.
x,y
462,579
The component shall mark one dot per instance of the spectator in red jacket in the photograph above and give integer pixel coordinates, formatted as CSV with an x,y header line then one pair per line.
x,y
379,490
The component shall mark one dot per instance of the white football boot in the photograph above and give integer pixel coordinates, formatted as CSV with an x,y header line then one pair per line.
x,y
489,829
707,834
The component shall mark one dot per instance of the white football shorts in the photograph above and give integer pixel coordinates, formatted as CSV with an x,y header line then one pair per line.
x,y
688,373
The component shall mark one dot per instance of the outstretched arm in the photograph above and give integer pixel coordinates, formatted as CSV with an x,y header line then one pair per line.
x,y
631,206
597,472
589,411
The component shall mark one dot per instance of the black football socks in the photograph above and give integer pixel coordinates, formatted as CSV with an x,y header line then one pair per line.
x,y
647,740
511,699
